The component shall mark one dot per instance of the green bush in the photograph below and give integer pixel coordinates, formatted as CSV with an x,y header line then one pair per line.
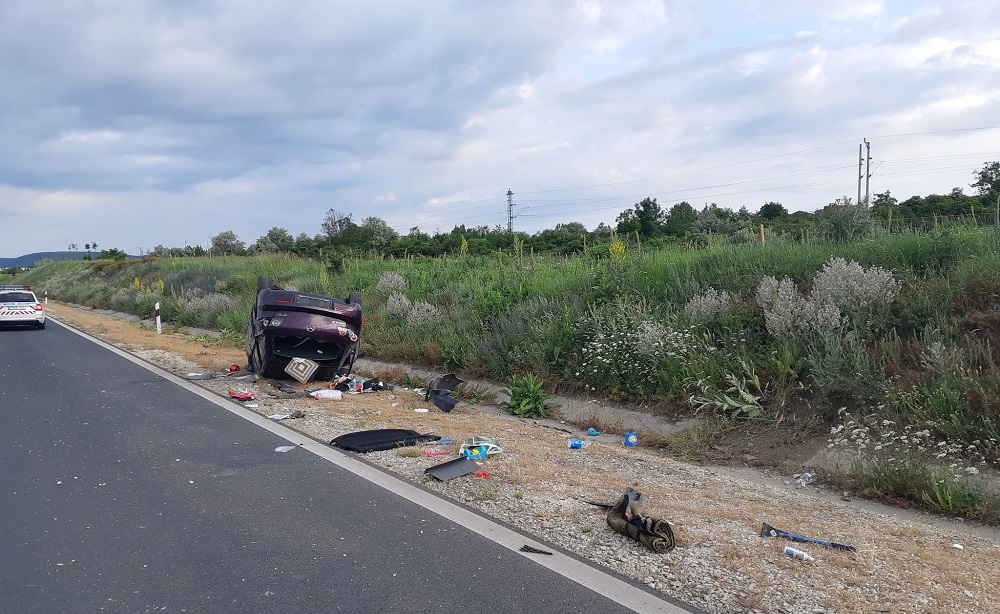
x,y
527,397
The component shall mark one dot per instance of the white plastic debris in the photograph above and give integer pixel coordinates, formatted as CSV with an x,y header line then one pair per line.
x,y
284,448
805,479
333,395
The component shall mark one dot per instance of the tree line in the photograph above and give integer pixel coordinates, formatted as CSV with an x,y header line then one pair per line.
x,y
646,221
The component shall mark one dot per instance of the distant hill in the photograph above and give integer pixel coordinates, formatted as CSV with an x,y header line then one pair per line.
x,y
31,259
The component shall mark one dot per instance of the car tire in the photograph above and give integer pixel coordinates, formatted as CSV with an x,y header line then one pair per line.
x,y
264,282
40,326
354,299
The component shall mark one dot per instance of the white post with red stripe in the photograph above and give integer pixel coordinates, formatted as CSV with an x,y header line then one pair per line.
x,y
158,329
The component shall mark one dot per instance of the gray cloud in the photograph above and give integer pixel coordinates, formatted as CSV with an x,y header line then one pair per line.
x,y
137,121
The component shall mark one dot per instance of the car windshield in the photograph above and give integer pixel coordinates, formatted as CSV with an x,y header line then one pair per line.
x,y
16,297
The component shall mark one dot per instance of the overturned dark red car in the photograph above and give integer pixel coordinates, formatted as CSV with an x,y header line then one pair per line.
x,y
286,325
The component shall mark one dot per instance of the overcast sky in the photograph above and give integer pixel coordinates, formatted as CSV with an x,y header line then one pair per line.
x,y
143,123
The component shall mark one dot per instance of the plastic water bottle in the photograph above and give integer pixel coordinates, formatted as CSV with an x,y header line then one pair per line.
x,y
795,553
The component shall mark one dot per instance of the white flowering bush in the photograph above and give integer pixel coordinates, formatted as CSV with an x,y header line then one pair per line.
x,y
851,287
390,282
629,357
422,315
397,305
788,315
839,285
908,463
711,302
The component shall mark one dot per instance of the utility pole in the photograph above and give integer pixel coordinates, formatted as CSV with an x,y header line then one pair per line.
x,y
868,169
510,210
860,174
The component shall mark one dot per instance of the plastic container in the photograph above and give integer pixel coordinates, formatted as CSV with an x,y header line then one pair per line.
x,y
574,443
333,395
795,553
631,438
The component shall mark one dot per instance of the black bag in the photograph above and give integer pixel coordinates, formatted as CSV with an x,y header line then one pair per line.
x,y
380,439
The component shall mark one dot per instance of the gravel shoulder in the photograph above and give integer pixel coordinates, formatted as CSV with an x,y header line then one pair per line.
x,y
906,562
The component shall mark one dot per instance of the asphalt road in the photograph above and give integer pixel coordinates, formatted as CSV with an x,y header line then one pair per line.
x,y
125,489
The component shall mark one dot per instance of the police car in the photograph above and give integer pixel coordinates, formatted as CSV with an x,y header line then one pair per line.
x,y
19,305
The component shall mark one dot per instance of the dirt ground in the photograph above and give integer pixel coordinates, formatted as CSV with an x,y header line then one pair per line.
x,y
905,563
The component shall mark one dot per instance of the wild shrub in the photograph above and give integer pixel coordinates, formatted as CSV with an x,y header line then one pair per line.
x,y
201,308
137,301
537,335
910,463
390,282
839,286
628,354
959,405
397,305
528,398
707,304
740,400
422,315
789,315
841,369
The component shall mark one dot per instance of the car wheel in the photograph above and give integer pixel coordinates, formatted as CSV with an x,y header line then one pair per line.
x,y
264,282
354,298
40,326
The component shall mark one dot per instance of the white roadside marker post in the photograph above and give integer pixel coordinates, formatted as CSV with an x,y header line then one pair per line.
x,y
158,329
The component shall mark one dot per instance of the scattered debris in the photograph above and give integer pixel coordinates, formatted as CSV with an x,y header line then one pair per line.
x,y
234,368
284,448
653,533
419,410
804,479
452,469
795,553
301,369
282,386
958,546
278,416
242,394
482,474
769,531
439,391
355,385
479,447
593,432
631,438
327,394
574,443
433,453
529,549
380,439
198,376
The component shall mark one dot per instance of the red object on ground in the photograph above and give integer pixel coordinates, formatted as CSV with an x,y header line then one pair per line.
x,y
234,368
242,395
482,474
436,452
